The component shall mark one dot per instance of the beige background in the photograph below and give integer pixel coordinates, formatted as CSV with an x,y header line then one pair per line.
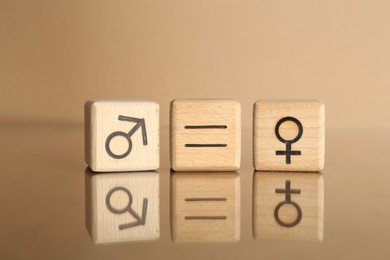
x,y
54,55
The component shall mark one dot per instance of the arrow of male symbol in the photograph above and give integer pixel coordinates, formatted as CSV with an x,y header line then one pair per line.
x,y
140,122
139,220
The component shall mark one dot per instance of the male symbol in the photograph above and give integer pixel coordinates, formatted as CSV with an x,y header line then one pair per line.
x,y
140,122
139,220
288,143
288,191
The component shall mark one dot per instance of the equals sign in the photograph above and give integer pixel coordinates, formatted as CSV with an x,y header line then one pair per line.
x,y
205,217
205,127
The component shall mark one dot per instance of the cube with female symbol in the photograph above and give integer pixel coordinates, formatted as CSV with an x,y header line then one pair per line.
x,y
122,135
289,135
288,206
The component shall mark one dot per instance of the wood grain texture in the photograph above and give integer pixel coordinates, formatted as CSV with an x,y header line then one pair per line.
x,y
310,200
103,224
205,207
311,145
102,120
205,135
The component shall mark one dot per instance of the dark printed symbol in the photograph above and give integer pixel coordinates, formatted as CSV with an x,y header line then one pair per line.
x,y
205,127
288,143
288,191
139,220
205,217
140,122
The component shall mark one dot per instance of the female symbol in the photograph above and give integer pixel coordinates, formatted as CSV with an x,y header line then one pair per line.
x,y
288,191
288,143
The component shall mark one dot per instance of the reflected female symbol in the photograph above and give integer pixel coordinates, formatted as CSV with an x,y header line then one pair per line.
x,y
288,191
139,220
288,152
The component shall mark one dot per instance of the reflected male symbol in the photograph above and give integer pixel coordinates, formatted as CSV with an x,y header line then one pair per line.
x,y
140,122
128,208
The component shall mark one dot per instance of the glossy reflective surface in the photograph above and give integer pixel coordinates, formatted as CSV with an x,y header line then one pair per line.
x,y
43,202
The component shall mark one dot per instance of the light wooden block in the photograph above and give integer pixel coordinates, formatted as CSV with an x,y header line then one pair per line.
x,y
112,217
283,126
205,207
205,135
122,135
277,217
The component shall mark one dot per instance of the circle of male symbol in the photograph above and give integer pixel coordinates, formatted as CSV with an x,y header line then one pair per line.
x,y
140,123
288,191
118,156
114,210
288,152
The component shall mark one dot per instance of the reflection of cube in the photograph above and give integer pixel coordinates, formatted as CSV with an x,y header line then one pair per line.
x,y
122,135
275,217
205,207
107,201
289,135
205,135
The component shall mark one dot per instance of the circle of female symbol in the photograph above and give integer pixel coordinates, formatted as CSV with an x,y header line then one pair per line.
x,y
139,123
139,220
288,191
288,143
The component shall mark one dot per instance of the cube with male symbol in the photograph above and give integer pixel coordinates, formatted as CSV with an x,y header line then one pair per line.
x,y
122,207
122,135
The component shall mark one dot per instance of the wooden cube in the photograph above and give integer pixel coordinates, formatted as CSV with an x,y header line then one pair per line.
x,y
205,207
122,206
289,135
288,206
122,135
205,135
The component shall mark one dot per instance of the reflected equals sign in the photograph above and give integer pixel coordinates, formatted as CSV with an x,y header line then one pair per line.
x,y
206,217
205,127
